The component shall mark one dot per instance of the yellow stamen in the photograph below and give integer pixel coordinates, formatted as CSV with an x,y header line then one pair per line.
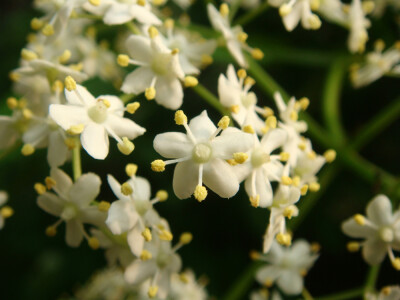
x,y
249,81
169,23
296,180
27,114
315,247
152,292
254,255
123,60
70,83
224,122
353,246
131,169
284,156
150,93
242,37
206,59
284,239
27,150
95,2
289,211
58,86
48,30
126,189
234,109
302,146
50,182
186,238
312,155
145,255
147,235
330,155
12,103
294,116
368,6
141,2
224,9
39,188
162,195
180,117
28,55
76,129
94,243
36,24
284,10
286,180
70,143
240,157
64,57
158,165
232,162
248,129
104,206
190,81
183,278
51,231
271,122
257,54
396,263
200,193
315,22
6,212
304,103
315,4
386,290
241,73
304,189
153,32
132,107
268,282
14,76
165,235
360,219
255,201
314,187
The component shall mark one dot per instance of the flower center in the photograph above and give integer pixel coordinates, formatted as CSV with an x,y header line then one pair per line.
x,y
161,62
259,157
249,99
69,212
163,259
142,206
98,112
386,234
201,153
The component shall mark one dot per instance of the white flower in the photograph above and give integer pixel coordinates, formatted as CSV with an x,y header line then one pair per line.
x,y
159,72
234,94
358,23
287,266
263,294
380,229
235,37
387,293
294,11
72,204
184,287
5,211
96,118
333,10
116,12
377,64
201,156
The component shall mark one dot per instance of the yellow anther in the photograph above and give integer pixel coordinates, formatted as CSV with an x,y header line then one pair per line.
x,y
360,219
368,6
254,255
70,143
12,103
14,76
95,2
242,37
284,156
315,22
315,4
39,188
268,282
22,103
303,272
304,189
241,73
249,81
312,155
70,83
152,292
386,290
379,45
6,212
27,149
224,9
284,239
104,206
190,81
285,9
94,243
123,60
141,2
206,59
294,116
257,54
51,231
330,155
36,24
268,112
76,129
153,32
255,201
162,195
180,117
28,55
353,246
224,122
150,93
77,67
289,211
147,235
315,247
132,107
302,146
200,193
165,235
183,278
169,23
145,255
240,157
271,122
48,30
126,189
57,86
286,180
131,169
397,45
314,187
186,238
248,129
160,226
27,114
105,102
64,58
396,263
234,109
50,182
304,103
296,181
126,147
232,162
158,165
174,51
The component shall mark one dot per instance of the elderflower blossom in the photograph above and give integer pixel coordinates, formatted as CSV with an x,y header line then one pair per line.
x,y
386,293
201,156
72,204
95,119
5,210
380,229
358,24
287,266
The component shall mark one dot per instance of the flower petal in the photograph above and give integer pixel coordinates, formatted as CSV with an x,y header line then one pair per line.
x,y
118,14
63,182
124,127
139,48
374,251
230,141
57,152
73,233
137,81
169,92
274,139
262,188
379,210
135,241
290,282
354,230
94,140
202,127
51,204
85,189
141,189
67,115
185,180
173,145
80,96
122,216
139,271
220,178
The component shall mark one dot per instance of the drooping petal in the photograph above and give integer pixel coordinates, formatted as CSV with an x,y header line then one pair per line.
x,y
73,233
122,216
262,188
173,145
139,48
94,140
57,152
374,251
220,178
292,20
169,92
137,81
185,180
235,49
85,189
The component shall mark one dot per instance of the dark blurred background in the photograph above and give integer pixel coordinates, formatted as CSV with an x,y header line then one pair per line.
x,y
34,266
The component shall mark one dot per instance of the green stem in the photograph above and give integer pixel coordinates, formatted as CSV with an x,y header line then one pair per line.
x,y
76,160
210,99
132,27
243,283
127,97
350,294
252,14
331,99
377,124
306,294
371,278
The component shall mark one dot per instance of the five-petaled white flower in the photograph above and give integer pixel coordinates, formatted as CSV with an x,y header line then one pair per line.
x,y
95,119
